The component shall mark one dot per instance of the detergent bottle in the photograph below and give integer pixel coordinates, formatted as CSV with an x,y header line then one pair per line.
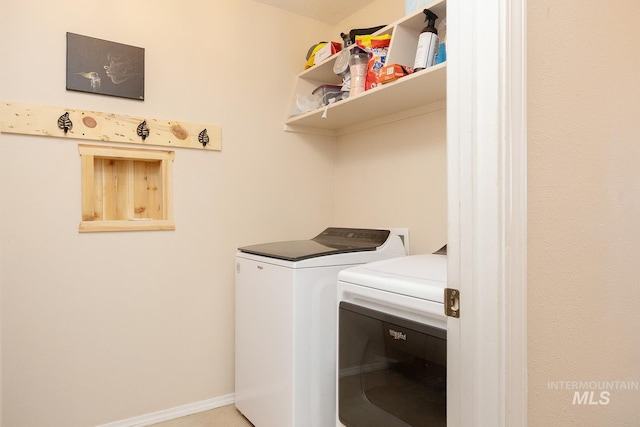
x,y
427,43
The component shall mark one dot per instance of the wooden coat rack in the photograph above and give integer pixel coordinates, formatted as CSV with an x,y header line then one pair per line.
x,y
71,123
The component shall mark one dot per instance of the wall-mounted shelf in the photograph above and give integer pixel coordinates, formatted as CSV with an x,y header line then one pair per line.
x,y
410,92
126,189
400,97
97,126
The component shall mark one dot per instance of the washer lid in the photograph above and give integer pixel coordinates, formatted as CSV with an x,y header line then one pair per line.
x,y
420,276
331,241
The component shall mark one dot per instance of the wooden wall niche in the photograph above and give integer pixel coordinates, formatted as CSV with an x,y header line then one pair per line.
x,y
126,189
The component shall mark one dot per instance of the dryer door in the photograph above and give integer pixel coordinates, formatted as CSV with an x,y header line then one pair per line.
x,y
392,371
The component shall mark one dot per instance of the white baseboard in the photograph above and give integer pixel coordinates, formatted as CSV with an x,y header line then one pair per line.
x,y
177,412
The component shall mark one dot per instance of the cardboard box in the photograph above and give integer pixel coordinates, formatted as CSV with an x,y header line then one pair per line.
x,y
392,72
326,51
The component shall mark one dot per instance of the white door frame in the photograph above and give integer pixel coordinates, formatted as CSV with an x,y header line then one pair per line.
x,y
486,139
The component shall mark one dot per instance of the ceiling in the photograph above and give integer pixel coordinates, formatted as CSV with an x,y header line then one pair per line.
x,y
328,11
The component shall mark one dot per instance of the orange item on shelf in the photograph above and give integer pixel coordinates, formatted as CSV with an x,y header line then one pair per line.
x,y
392,72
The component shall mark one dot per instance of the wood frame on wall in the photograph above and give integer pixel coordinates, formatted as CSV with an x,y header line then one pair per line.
x,y
126,189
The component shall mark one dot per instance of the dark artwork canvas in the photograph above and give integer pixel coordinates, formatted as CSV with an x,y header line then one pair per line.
x,y
104,67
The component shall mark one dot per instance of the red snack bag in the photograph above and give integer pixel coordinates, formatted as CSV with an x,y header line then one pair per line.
x,y
376,47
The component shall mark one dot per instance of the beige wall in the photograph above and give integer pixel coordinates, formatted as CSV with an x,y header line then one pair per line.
x,y
107,326
394,174
101,327
584,208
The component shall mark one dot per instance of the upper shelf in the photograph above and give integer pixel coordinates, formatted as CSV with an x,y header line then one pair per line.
x,y
408,93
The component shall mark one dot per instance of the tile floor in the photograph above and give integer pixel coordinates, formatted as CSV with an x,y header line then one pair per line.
x,y
225,416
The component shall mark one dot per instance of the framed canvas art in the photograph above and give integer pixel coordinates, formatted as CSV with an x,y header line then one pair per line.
x,y
104,67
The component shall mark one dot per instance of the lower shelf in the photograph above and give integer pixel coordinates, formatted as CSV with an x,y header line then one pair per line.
x,y
416,90
130,225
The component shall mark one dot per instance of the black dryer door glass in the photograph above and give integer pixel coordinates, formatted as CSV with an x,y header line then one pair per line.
x,y
392,371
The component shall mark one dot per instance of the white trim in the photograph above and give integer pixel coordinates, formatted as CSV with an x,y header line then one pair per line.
x,y
177,412
514,192
486,140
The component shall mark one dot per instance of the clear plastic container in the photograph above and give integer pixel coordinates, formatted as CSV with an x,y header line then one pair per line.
x,y
358,69
328,94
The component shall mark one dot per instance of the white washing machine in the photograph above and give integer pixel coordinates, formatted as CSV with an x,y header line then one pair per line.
x,y
392,343
285,349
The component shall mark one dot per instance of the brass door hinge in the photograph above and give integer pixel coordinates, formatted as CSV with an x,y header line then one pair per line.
x,y
452,302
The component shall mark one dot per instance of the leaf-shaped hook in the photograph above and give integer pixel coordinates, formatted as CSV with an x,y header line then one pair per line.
x,y
143,130
203,138
64,122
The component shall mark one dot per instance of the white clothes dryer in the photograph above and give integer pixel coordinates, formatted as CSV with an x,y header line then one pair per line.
x,y
285,349
392,343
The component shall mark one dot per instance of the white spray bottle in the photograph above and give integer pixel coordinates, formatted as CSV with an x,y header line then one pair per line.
x,y
427,43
